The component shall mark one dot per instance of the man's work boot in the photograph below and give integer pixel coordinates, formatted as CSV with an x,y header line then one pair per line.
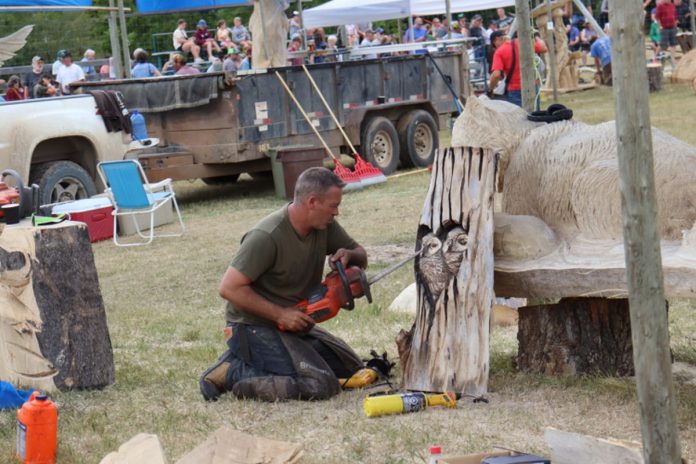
x,y
213,380
267,388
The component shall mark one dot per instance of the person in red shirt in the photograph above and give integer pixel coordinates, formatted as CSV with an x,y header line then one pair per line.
x,y
666,16
204,39
15,91
503,66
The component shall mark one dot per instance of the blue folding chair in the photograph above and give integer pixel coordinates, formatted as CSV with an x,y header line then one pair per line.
x,y
133,196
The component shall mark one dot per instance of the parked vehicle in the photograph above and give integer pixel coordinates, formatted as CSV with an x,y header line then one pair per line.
x,y
215,126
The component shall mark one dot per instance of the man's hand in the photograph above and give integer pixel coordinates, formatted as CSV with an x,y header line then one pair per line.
x,y
294,320
341,255
356,256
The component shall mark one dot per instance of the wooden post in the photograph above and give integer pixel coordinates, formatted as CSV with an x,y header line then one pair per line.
x,y
124,41
448,13
655,76
524,35
693,24
551,45
641,240
115,44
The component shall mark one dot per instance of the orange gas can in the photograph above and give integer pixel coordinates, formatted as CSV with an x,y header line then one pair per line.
x,y
37,430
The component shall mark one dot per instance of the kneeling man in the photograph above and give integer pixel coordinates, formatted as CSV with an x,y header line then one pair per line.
x,y
279,261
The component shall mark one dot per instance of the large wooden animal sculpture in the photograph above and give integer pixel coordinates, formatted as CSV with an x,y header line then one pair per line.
x,y
269,30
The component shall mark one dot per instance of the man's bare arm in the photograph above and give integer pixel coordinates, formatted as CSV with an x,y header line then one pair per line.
x,y
495,78
236,288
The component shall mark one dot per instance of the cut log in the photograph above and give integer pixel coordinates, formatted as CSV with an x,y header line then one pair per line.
x,y
576,336
53,331
447,348
572,448
655,76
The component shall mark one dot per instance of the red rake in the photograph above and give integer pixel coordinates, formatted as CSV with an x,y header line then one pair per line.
x,y
350,178
366,172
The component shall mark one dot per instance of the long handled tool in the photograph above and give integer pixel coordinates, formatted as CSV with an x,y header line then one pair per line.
x,y
368,174
448,83
351,180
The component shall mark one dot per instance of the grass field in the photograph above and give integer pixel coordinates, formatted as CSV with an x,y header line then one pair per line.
x,y
165,320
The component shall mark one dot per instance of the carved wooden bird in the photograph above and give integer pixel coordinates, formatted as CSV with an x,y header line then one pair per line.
x,y
432,267
10,44
454,249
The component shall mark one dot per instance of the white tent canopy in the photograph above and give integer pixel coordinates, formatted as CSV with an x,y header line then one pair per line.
x,y
339,12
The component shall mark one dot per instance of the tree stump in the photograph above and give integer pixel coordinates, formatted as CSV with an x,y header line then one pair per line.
x,y
655,76
447,347
576,336
53,331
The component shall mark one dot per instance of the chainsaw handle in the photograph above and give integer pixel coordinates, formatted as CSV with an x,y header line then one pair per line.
x,y
350,301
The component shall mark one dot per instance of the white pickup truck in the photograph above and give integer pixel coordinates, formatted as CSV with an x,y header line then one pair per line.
x,y
56,143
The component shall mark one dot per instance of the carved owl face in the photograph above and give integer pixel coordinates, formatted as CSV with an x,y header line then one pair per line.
x,y
454,248
431,245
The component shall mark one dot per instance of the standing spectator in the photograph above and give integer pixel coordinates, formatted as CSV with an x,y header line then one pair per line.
x,y
683,15
204,38
463,25
476,32
587,34
181,68
457,31
504,21
332,48
295,45
504,67
666,16
492,27
142,68
370,41
15,91
245,64
89,55
419,32
601,52
46,87
69,72
58,63
31,79
439,31
655,34
182,43
232,61
239,32
294,24
573,34
604,13
223,35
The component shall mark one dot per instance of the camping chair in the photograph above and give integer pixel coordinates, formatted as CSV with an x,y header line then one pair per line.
x,y
133,196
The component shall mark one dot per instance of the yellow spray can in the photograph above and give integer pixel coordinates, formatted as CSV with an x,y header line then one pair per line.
x,y
401,403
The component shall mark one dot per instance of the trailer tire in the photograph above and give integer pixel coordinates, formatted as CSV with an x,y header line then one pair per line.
x,y
380,144
418,138
221,180
62,181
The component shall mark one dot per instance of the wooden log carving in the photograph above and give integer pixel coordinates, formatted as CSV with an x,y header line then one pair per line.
x,y
53,331
576,336
655,76
447,347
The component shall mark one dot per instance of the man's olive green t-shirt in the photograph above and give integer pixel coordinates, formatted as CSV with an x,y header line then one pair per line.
x,y
283,266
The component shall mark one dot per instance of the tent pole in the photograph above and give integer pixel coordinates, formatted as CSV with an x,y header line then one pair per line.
x,y
302,29
693,24
410,24
588,16
448,10
115,45
124,41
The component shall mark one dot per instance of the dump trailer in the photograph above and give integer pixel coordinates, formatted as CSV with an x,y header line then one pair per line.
x,y
215,126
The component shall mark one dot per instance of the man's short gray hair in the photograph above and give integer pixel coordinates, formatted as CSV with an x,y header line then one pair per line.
x,y
315,181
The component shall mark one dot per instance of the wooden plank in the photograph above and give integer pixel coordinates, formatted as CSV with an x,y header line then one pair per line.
x,y
641,238
572,448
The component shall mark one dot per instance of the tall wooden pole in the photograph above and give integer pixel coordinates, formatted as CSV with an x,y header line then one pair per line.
x,y
641,240
693,24
551,45
115,44
448,13
124,41
524,34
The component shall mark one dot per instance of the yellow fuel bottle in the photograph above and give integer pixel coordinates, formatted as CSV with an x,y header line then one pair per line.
x,y
401,403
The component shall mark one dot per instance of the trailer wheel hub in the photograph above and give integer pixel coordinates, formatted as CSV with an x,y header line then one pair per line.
x,y
423,140
382,148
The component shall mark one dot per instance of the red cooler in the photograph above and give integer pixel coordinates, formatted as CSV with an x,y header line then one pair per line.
x,y
95,212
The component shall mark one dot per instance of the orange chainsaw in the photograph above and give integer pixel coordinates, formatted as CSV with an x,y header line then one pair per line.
x,y
340,288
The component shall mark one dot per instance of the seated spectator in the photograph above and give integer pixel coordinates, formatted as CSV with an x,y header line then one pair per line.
x,y
69,72
46,87
457,31
419,32
332,48
370,41
31,79
107,70
573,34
600,50
319,44
587,33
232,61
58,63
181,68
89,55
142,67
240,33
245,64
15,90
439,31
204,38
182,43
223,35
215,65
295,45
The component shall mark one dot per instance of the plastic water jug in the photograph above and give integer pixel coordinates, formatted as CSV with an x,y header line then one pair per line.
x,y
139,126
37,430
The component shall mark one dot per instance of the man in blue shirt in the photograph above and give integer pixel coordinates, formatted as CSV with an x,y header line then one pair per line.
x,y
419,32
600,50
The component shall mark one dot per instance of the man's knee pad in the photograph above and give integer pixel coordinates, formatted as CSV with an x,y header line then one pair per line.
x,y
216,380
267,388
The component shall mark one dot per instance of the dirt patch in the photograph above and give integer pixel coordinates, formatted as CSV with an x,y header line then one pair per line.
x,y
387,254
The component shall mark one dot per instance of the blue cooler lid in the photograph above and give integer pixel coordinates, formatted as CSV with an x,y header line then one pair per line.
x,y
79,206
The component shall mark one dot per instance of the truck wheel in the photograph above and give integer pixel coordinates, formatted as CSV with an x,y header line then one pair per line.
x,y
221,180
418,137
62,181
380,144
